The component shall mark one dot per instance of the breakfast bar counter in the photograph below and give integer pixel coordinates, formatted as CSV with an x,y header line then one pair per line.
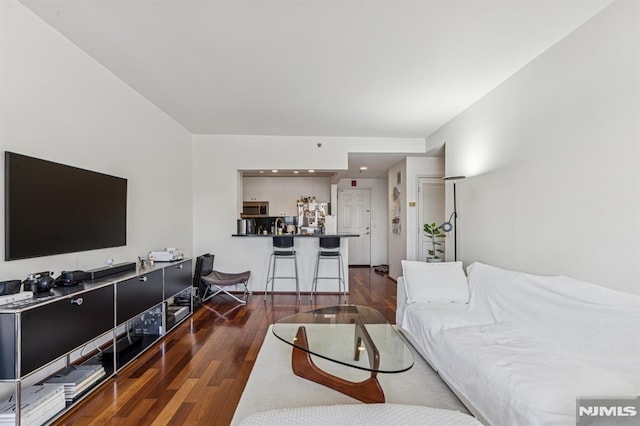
x,y
345,235
259,247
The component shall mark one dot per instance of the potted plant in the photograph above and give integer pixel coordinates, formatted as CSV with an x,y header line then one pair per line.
x,y
435,234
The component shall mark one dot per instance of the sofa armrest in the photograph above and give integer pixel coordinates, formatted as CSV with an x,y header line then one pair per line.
x,y
401,300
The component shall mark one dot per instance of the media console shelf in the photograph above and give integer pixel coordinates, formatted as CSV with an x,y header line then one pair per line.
x,y
116,318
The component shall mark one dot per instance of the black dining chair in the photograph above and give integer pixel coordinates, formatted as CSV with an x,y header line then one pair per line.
x,y
211,283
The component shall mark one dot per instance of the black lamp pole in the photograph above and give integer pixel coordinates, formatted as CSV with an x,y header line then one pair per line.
x,y
454,215
455,225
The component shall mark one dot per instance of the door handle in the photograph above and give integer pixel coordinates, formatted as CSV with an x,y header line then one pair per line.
x,y
142,279
77,301
180,266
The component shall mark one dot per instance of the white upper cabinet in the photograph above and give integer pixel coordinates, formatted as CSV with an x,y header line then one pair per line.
x,y
282,193
256,189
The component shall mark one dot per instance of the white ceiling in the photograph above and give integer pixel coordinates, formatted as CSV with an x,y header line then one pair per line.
x,y
377,166
369,68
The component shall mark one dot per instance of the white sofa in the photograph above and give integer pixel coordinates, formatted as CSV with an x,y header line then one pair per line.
x,y
516,348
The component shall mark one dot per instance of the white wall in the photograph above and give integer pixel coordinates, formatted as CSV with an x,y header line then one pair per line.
x,y
216,160
397,242
552,155
59,104
405,245
379,215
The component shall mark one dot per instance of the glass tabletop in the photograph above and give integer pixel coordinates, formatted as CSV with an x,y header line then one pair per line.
x,y
332,333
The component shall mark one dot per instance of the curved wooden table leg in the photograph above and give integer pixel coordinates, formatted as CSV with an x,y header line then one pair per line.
x,y
368,391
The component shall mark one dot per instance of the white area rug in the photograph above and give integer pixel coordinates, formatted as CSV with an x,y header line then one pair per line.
x,y
272,384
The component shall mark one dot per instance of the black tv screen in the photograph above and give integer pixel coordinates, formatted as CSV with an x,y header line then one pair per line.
x,y
52,208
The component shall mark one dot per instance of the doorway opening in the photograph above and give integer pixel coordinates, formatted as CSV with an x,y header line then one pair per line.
x,y
431,209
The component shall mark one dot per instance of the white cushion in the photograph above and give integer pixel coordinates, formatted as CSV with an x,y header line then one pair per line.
x,y
435,282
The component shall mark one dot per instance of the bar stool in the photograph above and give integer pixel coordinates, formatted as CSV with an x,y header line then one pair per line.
x,y
282,249
329,250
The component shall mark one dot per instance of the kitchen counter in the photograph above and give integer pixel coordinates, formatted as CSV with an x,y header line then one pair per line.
x,y
345,235
258,248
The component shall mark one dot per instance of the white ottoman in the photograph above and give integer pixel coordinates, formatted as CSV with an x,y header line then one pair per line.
x,y
361,414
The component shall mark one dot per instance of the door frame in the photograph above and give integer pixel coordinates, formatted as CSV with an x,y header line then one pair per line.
x,y
418,217
369,225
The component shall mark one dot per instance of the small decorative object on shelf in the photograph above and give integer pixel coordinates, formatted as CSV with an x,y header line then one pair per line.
x,y
149,323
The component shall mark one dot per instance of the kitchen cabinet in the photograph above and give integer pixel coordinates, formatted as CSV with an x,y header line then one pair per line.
x,y
256,189
177,293
284,202
50,331
177,278
137,295
282,193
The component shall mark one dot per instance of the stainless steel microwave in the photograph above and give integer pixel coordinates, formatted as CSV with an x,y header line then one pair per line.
x,y
255,209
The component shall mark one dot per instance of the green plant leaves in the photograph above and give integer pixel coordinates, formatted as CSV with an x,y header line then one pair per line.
x,y
434,232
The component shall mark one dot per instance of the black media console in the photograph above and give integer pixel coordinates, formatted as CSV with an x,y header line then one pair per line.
x,y
127,311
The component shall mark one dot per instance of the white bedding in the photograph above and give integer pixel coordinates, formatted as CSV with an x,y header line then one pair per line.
x,y
513,378
438,316
526,346
599,324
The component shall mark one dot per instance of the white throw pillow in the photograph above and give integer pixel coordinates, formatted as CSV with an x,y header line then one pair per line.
x,y
435,282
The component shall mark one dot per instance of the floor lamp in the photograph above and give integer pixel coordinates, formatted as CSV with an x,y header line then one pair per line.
x,y
448,226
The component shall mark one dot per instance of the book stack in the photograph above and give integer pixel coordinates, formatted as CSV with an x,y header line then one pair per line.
x,y
76,379
38,404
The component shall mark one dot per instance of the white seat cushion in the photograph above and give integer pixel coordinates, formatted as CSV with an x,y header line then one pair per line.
x,y
362,414
511,377
435,282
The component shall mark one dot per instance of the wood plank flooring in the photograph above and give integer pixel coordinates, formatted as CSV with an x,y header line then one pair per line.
x,y
196,375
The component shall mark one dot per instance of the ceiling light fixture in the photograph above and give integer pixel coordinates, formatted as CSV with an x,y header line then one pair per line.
x,y
364,168
295,172
274,171
311,171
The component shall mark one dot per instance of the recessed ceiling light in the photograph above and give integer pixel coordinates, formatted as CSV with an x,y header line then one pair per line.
x,y
295,172
363,168
274,171
261,171
311,171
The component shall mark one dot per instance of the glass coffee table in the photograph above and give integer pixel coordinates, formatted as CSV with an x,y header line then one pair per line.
x,y
351,335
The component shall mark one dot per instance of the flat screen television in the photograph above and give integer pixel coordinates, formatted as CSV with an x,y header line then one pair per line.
x,y
52,208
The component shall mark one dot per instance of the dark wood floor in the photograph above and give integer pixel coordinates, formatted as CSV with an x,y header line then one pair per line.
x,y
198,372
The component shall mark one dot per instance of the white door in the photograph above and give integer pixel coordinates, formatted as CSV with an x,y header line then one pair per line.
x,y
354,216
431,209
